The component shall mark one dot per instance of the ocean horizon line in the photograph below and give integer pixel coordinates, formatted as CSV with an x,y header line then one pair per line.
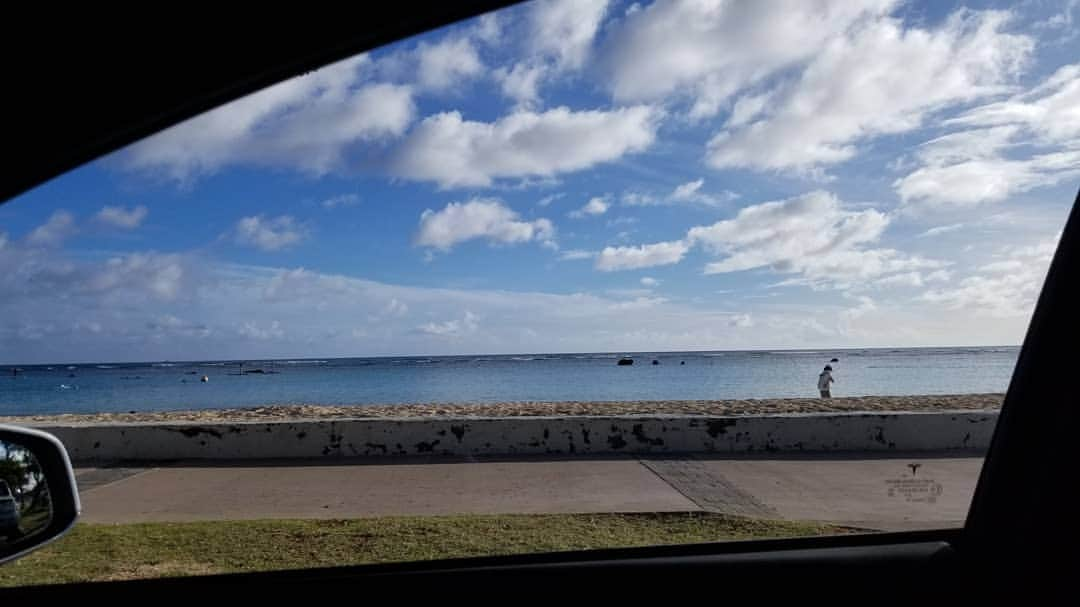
x,y
611,353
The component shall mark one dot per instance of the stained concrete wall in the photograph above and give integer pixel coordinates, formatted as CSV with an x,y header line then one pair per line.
x,y
527,435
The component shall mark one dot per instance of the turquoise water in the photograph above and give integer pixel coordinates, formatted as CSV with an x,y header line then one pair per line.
x,y
159,386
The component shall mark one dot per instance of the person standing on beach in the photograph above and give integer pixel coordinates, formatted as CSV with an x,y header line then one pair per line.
x,y
824,381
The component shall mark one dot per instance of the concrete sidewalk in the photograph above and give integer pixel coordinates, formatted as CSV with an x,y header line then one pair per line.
x,y
863,490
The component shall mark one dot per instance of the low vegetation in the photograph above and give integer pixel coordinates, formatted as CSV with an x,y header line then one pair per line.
x,y
121,552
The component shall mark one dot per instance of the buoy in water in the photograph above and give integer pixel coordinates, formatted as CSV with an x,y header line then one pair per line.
x,y
204,379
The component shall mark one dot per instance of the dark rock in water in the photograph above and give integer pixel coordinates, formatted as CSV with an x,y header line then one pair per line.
x,y
623,362
192,372
835,360
255,371
71,375
682,362
655,362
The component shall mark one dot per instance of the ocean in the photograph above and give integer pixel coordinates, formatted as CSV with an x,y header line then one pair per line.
x,y
161,386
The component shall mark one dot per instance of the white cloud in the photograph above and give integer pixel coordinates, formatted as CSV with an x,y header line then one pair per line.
x,y
687,190
1049,110
306,123
788,234
648,281
747,108
906,279
978,174
439,66
452,328
396,308
642,256
865,306
342,200
974,182
30,277
576,255
59,226
1062,20
640,199
169,325
691,192
120,217
447,63
1004,288
638,303
842,97
1040,252
564,29
203,308
270,234
686,193
489,28
812,235
559,39
996,296
633,293
913,279
742,321
961,145
252,330
622,221
454,152
974,166
939,230
1011,265
521,83
161,276
707,51
546,200
597,205
486,218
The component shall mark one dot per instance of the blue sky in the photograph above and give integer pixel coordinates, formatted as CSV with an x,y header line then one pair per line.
x,y
582,176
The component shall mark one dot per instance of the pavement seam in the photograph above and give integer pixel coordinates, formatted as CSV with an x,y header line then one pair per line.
x,y
679,490
115,482
709,491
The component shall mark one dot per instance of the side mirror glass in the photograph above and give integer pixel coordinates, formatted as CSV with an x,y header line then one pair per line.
x,y
39,501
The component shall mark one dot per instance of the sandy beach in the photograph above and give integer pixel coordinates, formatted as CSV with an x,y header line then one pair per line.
x,y
570,408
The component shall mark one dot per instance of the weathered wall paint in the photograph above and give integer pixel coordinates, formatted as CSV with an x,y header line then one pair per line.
x,y
528,435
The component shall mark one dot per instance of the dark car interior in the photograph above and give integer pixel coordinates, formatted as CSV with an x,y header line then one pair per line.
x,y
83,82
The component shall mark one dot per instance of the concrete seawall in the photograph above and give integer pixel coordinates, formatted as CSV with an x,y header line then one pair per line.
x,y
527,436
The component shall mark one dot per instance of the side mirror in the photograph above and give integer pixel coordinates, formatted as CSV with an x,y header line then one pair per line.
x,y
38,498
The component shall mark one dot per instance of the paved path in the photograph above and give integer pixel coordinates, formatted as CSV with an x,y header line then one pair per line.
x,y
856,489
